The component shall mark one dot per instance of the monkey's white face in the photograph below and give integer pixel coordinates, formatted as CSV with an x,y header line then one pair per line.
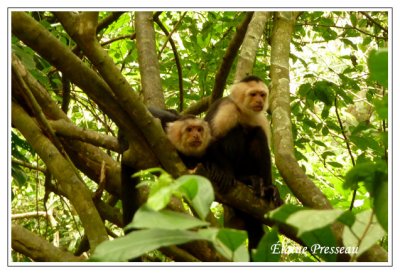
x,y
190,136
255,100
193,135
250,96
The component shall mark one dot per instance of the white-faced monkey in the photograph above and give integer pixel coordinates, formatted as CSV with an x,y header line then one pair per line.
x,y
240,151
189,135
240,148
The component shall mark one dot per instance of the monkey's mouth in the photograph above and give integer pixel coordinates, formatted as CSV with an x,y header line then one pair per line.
x,y
195,143
258,108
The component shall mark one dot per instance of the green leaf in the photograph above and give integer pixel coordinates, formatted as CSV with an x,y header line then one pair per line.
x,y
378,66
160,198
335,164
324,92
372,174
364,233
316,232
304,90
320,242
322,144
145,217
353,19
348,218
266,249
381,204
381,107
325,112
282,213
326,154
199,191
137,243
231,244
18,175
312,219
161,188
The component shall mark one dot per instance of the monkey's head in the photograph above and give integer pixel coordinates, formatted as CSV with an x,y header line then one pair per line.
x,y
190,135
250,95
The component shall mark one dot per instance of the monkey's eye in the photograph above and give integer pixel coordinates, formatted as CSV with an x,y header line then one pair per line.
x,y
200,129
189,129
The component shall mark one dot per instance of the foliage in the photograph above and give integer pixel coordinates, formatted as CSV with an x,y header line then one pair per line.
x,y
339,110
314,229
157,227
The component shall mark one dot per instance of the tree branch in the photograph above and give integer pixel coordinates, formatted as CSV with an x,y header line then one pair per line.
x,y
229,57
176,56
44,43
302,187
148,61
70,130
86,157
250,45
223,71
37,248
127,98
69,182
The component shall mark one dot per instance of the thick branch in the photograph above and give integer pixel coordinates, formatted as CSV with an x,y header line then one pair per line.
x,y
65,174
68,129
108,20
37,248
250,44
302,187
43,42
86,157
127,98
148,60
242,198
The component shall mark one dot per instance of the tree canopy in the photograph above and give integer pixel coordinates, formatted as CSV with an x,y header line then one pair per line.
x,y
78,78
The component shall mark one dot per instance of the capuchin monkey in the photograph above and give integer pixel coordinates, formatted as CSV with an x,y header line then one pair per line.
x,y
240,151
190,136
240,130
246,105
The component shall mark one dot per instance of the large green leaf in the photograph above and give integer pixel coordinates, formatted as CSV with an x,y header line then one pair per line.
x,y
266,251
378,66
313,228
231,244
381,204
364,233
199,192
137,243
145,217
311,219
321,242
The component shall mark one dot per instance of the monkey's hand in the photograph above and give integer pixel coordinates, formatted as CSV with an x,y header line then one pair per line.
x,y
256,183
272,196
269,193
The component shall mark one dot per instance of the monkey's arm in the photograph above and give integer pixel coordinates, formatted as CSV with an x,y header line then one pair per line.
x,y
165,115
